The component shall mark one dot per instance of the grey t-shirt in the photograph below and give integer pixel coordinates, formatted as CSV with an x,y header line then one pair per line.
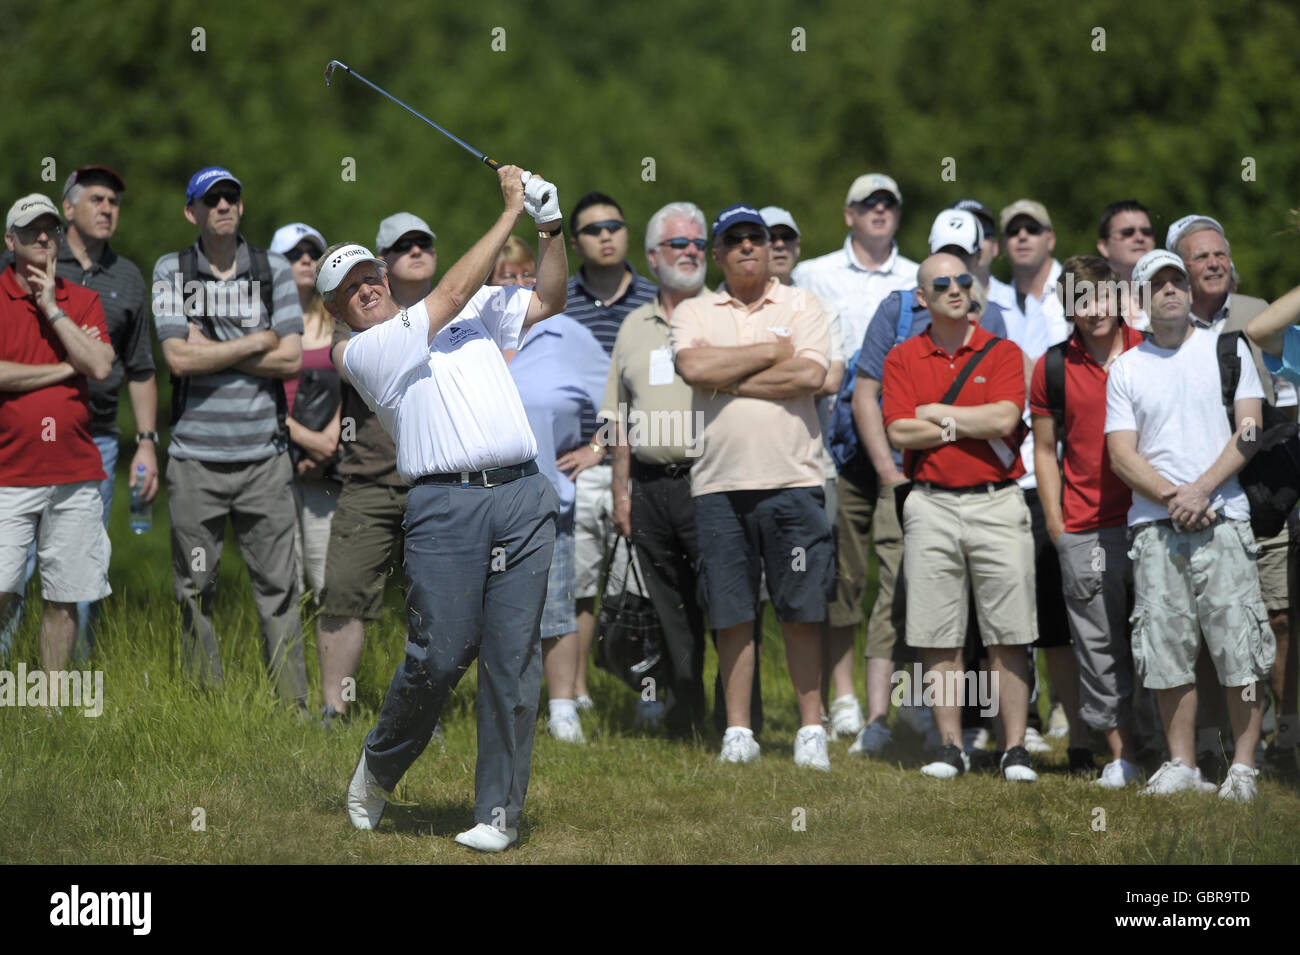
x,y
230,416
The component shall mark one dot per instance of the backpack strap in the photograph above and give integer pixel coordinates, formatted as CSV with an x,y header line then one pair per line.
x,y
187,261
1229,373
906,302
1054,374
955,388
260,269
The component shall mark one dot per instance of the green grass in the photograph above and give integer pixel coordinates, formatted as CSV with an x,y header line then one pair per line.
x,y
123,788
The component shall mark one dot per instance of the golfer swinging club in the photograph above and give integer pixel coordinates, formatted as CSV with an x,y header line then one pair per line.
x,y
480,519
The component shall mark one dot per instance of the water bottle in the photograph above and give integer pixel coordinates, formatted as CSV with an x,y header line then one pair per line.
x,y
141,510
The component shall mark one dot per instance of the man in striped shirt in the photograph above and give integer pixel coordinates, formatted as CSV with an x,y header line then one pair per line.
x,y
228,354
601,294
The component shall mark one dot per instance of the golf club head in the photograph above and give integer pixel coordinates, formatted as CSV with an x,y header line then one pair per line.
x,y
329,70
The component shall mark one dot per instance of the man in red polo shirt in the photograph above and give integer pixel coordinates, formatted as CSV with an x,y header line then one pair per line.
x,y
1088,524
965,523
52,336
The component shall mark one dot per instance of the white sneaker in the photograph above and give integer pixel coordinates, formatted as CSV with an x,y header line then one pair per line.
x,y
1240,784
366,799
738,746
1174,777
1117,774
649,714
567,729
846,717
1058,726
487,838
810,749
584,702
1034,741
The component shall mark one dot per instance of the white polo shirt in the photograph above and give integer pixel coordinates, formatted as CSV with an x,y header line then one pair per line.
x,y
848,287
450,405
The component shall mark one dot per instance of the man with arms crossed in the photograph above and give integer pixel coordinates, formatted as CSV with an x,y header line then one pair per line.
x,y
965,523
480,517
1193,551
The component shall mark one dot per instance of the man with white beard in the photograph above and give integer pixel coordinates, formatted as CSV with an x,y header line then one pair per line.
x,y
649,405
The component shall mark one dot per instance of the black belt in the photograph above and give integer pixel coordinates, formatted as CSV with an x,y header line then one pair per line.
x,y
489,478
659,470
987,486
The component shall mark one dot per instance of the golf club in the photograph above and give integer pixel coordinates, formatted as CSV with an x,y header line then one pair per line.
x,y
329,75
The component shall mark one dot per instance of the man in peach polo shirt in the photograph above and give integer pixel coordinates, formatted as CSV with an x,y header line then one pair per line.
x,y
755,352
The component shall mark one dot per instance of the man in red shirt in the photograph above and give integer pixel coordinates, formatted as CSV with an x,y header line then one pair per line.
x,y
965,523
52,336
1088,524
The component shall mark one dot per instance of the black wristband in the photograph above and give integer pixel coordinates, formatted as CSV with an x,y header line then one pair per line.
x,y
146,436
559,227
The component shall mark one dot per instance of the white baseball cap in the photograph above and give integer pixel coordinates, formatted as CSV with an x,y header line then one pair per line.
x,y
775,215
288,236
956,227
1153,262
28,209
396,226
864,186
1187,225
340,262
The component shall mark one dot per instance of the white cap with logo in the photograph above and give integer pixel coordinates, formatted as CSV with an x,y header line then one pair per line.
x,y
28,209
288,236
956,227
340,263
1187,225
1153,262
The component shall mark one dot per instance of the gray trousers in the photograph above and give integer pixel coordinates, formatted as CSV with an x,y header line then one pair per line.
x,y
258,498
477,561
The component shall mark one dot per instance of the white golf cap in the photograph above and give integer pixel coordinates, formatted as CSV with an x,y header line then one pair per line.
x,y
341,261
775,215
864,186
1187,225
28,209
956,227
288,236
1153,262
396,226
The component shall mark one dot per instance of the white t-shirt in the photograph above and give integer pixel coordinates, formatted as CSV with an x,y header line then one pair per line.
x,y
1172,399
450,405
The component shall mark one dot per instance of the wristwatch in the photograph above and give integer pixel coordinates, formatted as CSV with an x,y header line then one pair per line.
x,y
146,436
559,227
597,447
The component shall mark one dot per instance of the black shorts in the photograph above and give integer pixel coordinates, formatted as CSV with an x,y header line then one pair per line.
x,y
784,532
1053,623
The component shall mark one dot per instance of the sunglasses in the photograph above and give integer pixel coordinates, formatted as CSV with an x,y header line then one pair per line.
x,y
596,228
1033,228
293,255
1129,231
27,234
213,198
732,239
886,199
942,282
680,243
785,235
402,246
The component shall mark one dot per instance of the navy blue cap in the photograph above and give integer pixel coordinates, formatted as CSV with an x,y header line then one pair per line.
x,y
981,212
735,215
205,179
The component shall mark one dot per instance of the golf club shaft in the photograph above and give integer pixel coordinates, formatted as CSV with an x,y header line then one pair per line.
x,y
329,73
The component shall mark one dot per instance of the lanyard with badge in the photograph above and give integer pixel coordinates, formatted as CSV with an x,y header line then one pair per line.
x,y
661,363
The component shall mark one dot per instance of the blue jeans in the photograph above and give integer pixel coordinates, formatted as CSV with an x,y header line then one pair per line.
x,y
86,612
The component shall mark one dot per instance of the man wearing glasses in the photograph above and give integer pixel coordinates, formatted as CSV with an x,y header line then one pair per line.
x,y
756,352
601,294
964,522
855,279
91,204
1124,235
230,343
50,470
1036,320
366,532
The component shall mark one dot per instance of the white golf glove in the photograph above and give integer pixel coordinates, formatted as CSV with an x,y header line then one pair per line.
x,y
541,199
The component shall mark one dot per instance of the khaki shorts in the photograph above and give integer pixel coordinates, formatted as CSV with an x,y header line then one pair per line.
x,y
1193,583
1272,569
364,549
72,547
594,533
956,543
852,536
